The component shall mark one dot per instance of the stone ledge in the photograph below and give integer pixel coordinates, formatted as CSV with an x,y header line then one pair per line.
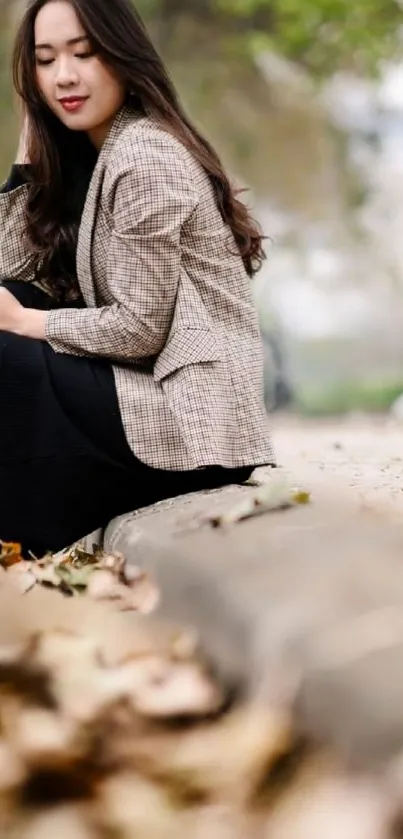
x,y
172,517
184,521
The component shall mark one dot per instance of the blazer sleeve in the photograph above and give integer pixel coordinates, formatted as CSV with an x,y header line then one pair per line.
x,y
150,200
16,260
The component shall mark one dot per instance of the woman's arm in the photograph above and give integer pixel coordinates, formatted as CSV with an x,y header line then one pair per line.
x,y
153,195
16,261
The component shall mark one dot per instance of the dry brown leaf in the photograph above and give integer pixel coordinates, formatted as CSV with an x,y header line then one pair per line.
x,y
58,648
12,769
140,594
41,736
112,562
21,576
163,688
83,690
136,807
269,497
11,652
62,822
10,553
45,573
101,576
101,585
223,759
144,594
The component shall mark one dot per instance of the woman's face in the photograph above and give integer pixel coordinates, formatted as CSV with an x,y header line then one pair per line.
x,y
76,84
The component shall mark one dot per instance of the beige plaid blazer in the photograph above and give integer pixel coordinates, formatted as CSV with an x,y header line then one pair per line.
x,y
168,302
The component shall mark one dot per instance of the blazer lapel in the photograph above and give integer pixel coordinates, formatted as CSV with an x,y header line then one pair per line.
x,y
85,236
86,232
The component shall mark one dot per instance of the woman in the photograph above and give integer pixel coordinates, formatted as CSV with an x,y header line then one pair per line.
x,y
130,363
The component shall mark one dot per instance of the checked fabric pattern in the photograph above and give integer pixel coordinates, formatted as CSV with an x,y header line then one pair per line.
x,y
167,301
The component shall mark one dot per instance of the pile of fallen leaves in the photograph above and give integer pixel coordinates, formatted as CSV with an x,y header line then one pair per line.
x,y
110,728
83,689
97,575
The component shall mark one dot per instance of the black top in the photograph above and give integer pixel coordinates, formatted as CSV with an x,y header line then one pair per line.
x,y
18,177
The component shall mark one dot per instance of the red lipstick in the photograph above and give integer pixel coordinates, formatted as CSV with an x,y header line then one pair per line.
x,y
72,103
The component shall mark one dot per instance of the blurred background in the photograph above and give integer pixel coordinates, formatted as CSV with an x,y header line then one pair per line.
x,y
304,101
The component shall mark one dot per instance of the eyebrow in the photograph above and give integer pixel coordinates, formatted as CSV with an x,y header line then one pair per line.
x,y
71,42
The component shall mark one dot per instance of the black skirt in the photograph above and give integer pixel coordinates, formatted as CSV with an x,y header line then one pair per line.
x,y
65,466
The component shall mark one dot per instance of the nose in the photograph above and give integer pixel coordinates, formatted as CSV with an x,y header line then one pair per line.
x,y
66,73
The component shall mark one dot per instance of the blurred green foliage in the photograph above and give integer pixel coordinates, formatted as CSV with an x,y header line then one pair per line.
x,y
8,131
362,393
319,34
210,47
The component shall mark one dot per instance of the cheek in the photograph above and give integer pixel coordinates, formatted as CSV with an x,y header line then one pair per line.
x,y
43,84
113,89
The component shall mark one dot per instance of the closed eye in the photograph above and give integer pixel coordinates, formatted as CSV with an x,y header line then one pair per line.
x,y
45,62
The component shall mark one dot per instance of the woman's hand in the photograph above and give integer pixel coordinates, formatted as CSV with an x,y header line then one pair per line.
x,y
15,318
11,311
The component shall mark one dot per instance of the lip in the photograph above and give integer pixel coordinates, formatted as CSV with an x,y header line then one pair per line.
x,y
73,103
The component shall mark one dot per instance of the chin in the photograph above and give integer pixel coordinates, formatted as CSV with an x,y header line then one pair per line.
x,y
75,123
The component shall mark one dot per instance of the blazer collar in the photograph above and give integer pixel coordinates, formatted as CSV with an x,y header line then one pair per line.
x,y
124,117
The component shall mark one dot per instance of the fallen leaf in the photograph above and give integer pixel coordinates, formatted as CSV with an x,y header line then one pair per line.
x,y
46,574
60,647
74,578
143,594
12,770
301,496
10,553
42,736
112,562
21,576
269,497
161,687
101,585
132,573
64,822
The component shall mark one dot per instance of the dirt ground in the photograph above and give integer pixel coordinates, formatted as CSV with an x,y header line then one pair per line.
x,y
362,454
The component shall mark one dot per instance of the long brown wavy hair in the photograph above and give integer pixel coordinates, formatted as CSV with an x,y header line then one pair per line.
x,y
62,160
